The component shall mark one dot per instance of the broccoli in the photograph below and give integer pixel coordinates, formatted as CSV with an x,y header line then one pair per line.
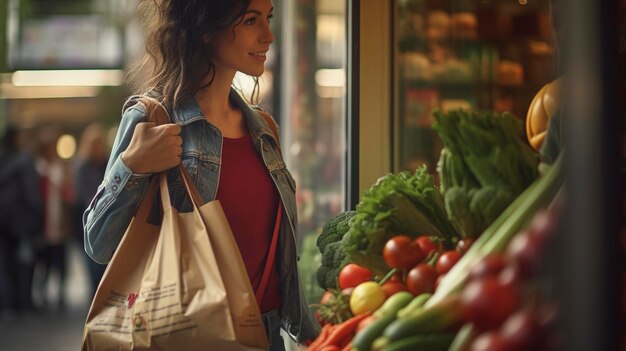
x,y
334,256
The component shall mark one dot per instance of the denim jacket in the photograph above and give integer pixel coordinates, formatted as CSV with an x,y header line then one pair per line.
x,y
121,191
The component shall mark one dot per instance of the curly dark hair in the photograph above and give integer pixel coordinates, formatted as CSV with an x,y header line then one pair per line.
x,y
176,50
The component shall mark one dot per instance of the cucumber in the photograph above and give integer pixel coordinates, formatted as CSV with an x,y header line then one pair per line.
x,y
394,303
430,342
386,315
429,320
365,338
415,305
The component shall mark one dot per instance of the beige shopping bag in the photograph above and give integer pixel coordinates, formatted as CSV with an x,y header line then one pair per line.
x,y
179,286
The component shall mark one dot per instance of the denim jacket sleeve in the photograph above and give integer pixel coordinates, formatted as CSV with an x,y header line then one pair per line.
x,y
111,210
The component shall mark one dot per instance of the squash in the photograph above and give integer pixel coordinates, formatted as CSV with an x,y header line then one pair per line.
x,y
542,108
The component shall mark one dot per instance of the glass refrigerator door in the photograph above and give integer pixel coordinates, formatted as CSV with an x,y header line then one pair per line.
x,y
487,55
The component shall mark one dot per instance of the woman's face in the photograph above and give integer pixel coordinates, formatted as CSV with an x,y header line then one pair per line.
x,y
244,46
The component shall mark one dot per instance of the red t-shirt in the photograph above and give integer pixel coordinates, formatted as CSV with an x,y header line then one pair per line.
x,y
250,201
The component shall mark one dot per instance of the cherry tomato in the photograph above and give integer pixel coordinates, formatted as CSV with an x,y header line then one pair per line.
x,y
327,297
488,302
489,266
391,287
491,341
402,252
521,331
421,279
427,245
511,275
524,250
463,245
397,277
353,275
544,224
446,261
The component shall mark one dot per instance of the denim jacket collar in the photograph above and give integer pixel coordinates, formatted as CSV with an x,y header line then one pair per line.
x,y
189,111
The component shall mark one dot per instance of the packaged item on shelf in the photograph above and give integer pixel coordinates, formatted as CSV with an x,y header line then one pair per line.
x,y
418,105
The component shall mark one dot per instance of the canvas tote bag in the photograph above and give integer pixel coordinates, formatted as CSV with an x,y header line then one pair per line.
x,y
178,286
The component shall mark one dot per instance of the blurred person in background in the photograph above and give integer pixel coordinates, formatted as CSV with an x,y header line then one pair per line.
x,y
20,223
228,148
89,170
57,195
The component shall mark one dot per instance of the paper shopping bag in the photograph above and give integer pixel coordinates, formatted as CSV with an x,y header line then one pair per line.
x,y
178,286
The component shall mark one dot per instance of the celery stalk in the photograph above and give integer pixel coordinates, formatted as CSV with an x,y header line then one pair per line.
x,y
538,195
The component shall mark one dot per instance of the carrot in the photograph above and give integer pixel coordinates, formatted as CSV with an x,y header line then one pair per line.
x,y
326,329
348,347
344,330
330,348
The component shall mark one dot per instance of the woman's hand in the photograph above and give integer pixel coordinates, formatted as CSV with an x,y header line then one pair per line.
x,y
153,148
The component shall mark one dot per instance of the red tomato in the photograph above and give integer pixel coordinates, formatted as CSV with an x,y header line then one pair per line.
x,y
446,261
488,302
524,250
489,342
421,279
328,296
353,275
521,331
427,245
397,277
489,266
402,252
391,287
463,245
544,224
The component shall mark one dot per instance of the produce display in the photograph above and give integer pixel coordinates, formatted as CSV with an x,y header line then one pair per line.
x,y
424,267
407,203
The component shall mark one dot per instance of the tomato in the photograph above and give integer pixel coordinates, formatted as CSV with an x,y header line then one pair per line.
x,y
488,302
446,261
427,245
463,245
327,297
352,275
521,331
421,279
524,251
544,224
397,277
511,275
366,297
491,341
402,252
391,287
489,266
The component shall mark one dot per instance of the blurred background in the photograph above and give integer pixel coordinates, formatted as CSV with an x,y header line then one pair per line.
x,y
63,67
351,83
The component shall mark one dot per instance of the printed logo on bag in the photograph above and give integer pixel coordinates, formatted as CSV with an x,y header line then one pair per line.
x,y
139,322
130,301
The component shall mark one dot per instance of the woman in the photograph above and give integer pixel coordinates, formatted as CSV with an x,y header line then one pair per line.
x,y
196,47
